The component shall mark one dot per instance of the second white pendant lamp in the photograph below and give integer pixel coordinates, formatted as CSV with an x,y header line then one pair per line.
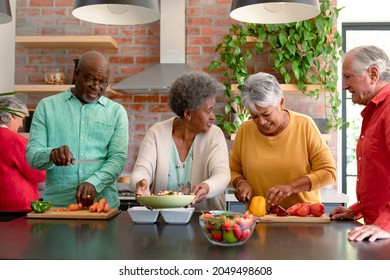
x,y
274,11
117,12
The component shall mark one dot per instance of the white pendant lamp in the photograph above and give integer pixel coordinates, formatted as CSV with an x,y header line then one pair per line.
x,y
5,12
274,11
117,12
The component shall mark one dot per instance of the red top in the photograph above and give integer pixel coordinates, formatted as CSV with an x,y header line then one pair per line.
x,y
18,181
373,162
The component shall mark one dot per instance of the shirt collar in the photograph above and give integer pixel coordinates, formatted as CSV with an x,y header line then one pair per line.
x,y
377,99
69,95
381,95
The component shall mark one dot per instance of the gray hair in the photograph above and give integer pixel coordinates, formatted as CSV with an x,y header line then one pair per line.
x,y
188,91
366,56
261,89
11,103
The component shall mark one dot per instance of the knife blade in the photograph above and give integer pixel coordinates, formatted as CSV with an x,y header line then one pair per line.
x,y
80,161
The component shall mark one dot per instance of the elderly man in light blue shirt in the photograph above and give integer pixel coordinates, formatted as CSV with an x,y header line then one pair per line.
x,y
80,123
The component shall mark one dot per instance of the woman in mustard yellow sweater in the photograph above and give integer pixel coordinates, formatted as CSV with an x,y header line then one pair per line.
x,y
278,154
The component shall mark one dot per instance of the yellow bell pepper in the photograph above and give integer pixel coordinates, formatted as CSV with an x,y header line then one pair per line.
x,y
257,206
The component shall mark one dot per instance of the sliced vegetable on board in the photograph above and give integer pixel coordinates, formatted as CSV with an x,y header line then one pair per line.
x,y
40,206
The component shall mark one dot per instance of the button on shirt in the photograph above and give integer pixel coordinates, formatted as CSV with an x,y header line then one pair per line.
x,y
97,130
373,162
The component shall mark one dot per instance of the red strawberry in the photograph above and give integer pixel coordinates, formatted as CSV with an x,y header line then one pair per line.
x,y
237,230
207,216
208,225
245,234
247,215
227,225
216,235
247,219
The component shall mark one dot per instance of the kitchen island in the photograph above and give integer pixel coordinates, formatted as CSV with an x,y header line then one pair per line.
x,y
121,239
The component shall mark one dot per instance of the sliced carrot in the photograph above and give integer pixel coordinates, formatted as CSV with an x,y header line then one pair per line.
x,y
107,208
61,209
74,207
101,204
93,207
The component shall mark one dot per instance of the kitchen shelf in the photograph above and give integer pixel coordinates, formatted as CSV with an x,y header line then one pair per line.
x,y
287,88
50,89
80,42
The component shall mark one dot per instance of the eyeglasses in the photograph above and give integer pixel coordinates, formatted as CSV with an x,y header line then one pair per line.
x,y
91,80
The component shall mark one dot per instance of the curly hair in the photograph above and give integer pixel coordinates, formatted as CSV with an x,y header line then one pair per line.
x,y
189,91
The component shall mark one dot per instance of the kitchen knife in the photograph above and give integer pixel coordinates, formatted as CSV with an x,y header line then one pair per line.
x,y
80,161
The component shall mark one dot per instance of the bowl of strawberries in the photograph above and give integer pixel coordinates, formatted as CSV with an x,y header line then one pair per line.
x,y
227,228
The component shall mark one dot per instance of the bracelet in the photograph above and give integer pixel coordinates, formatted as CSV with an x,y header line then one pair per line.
x,y
239,182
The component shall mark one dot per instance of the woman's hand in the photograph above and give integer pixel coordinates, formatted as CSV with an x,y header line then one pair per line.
x,y
340,213
372,232
142,187
277,193
243,192
201,191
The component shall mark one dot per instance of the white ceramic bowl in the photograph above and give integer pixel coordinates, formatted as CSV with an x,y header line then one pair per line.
x,y
143,215
177,215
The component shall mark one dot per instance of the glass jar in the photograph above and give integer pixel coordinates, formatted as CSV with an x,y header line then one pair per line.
x,y
55,77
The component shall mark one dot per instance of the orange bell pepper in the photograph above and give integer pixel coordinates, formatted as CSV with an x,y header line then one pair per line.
x,y
257,206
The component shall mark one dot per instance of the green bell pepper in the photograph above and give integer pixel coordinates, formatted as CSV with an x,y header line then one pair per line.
x,y
40,206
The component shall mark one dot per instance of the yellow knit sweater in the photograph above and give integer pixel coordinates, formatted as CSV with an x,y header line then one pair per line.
x,y
297,151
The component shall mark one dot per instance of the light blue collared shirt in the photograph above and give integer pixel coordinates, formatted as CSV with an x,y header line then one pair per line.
x,y
179,177
97,130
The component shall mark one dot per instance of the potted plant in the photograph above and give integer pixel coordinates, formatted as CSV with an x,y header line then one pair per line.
x,y
296,49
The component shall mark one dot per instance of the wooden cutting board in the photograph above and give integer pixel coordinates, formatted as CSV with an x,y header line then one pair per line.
x,y
79,214
272,218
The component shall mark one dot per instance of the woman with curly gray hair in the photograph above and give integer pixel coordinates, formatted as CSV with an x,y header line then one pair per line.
x,y
186,153
18,180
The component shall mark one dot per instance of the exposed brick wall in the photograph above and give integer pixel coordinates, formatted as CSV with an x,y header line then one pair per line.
x,y
207,21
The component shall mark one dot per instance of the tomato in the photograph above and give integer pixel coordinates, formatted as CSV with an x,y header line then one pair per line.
x,y
317,209
280,211
294,209
304,210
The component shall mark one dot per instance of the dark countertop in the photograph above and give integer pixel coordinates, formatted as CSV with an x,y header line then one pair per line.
x,y
121,239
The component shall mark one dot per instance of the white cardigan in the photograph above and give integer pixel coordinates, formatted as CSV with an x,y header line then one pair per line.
x,y
210,163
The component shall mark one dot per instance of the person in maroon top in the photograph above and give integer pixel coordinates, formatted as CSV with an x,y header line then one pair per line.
x,y
366,75
18,181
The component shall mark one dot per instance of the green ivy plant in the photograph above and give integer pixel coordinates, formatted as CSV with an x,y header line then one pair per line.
x,y
298,46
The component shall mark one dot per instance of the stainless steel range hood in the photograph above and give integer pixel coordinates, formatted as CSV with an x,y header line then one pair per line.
x,y
172,52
